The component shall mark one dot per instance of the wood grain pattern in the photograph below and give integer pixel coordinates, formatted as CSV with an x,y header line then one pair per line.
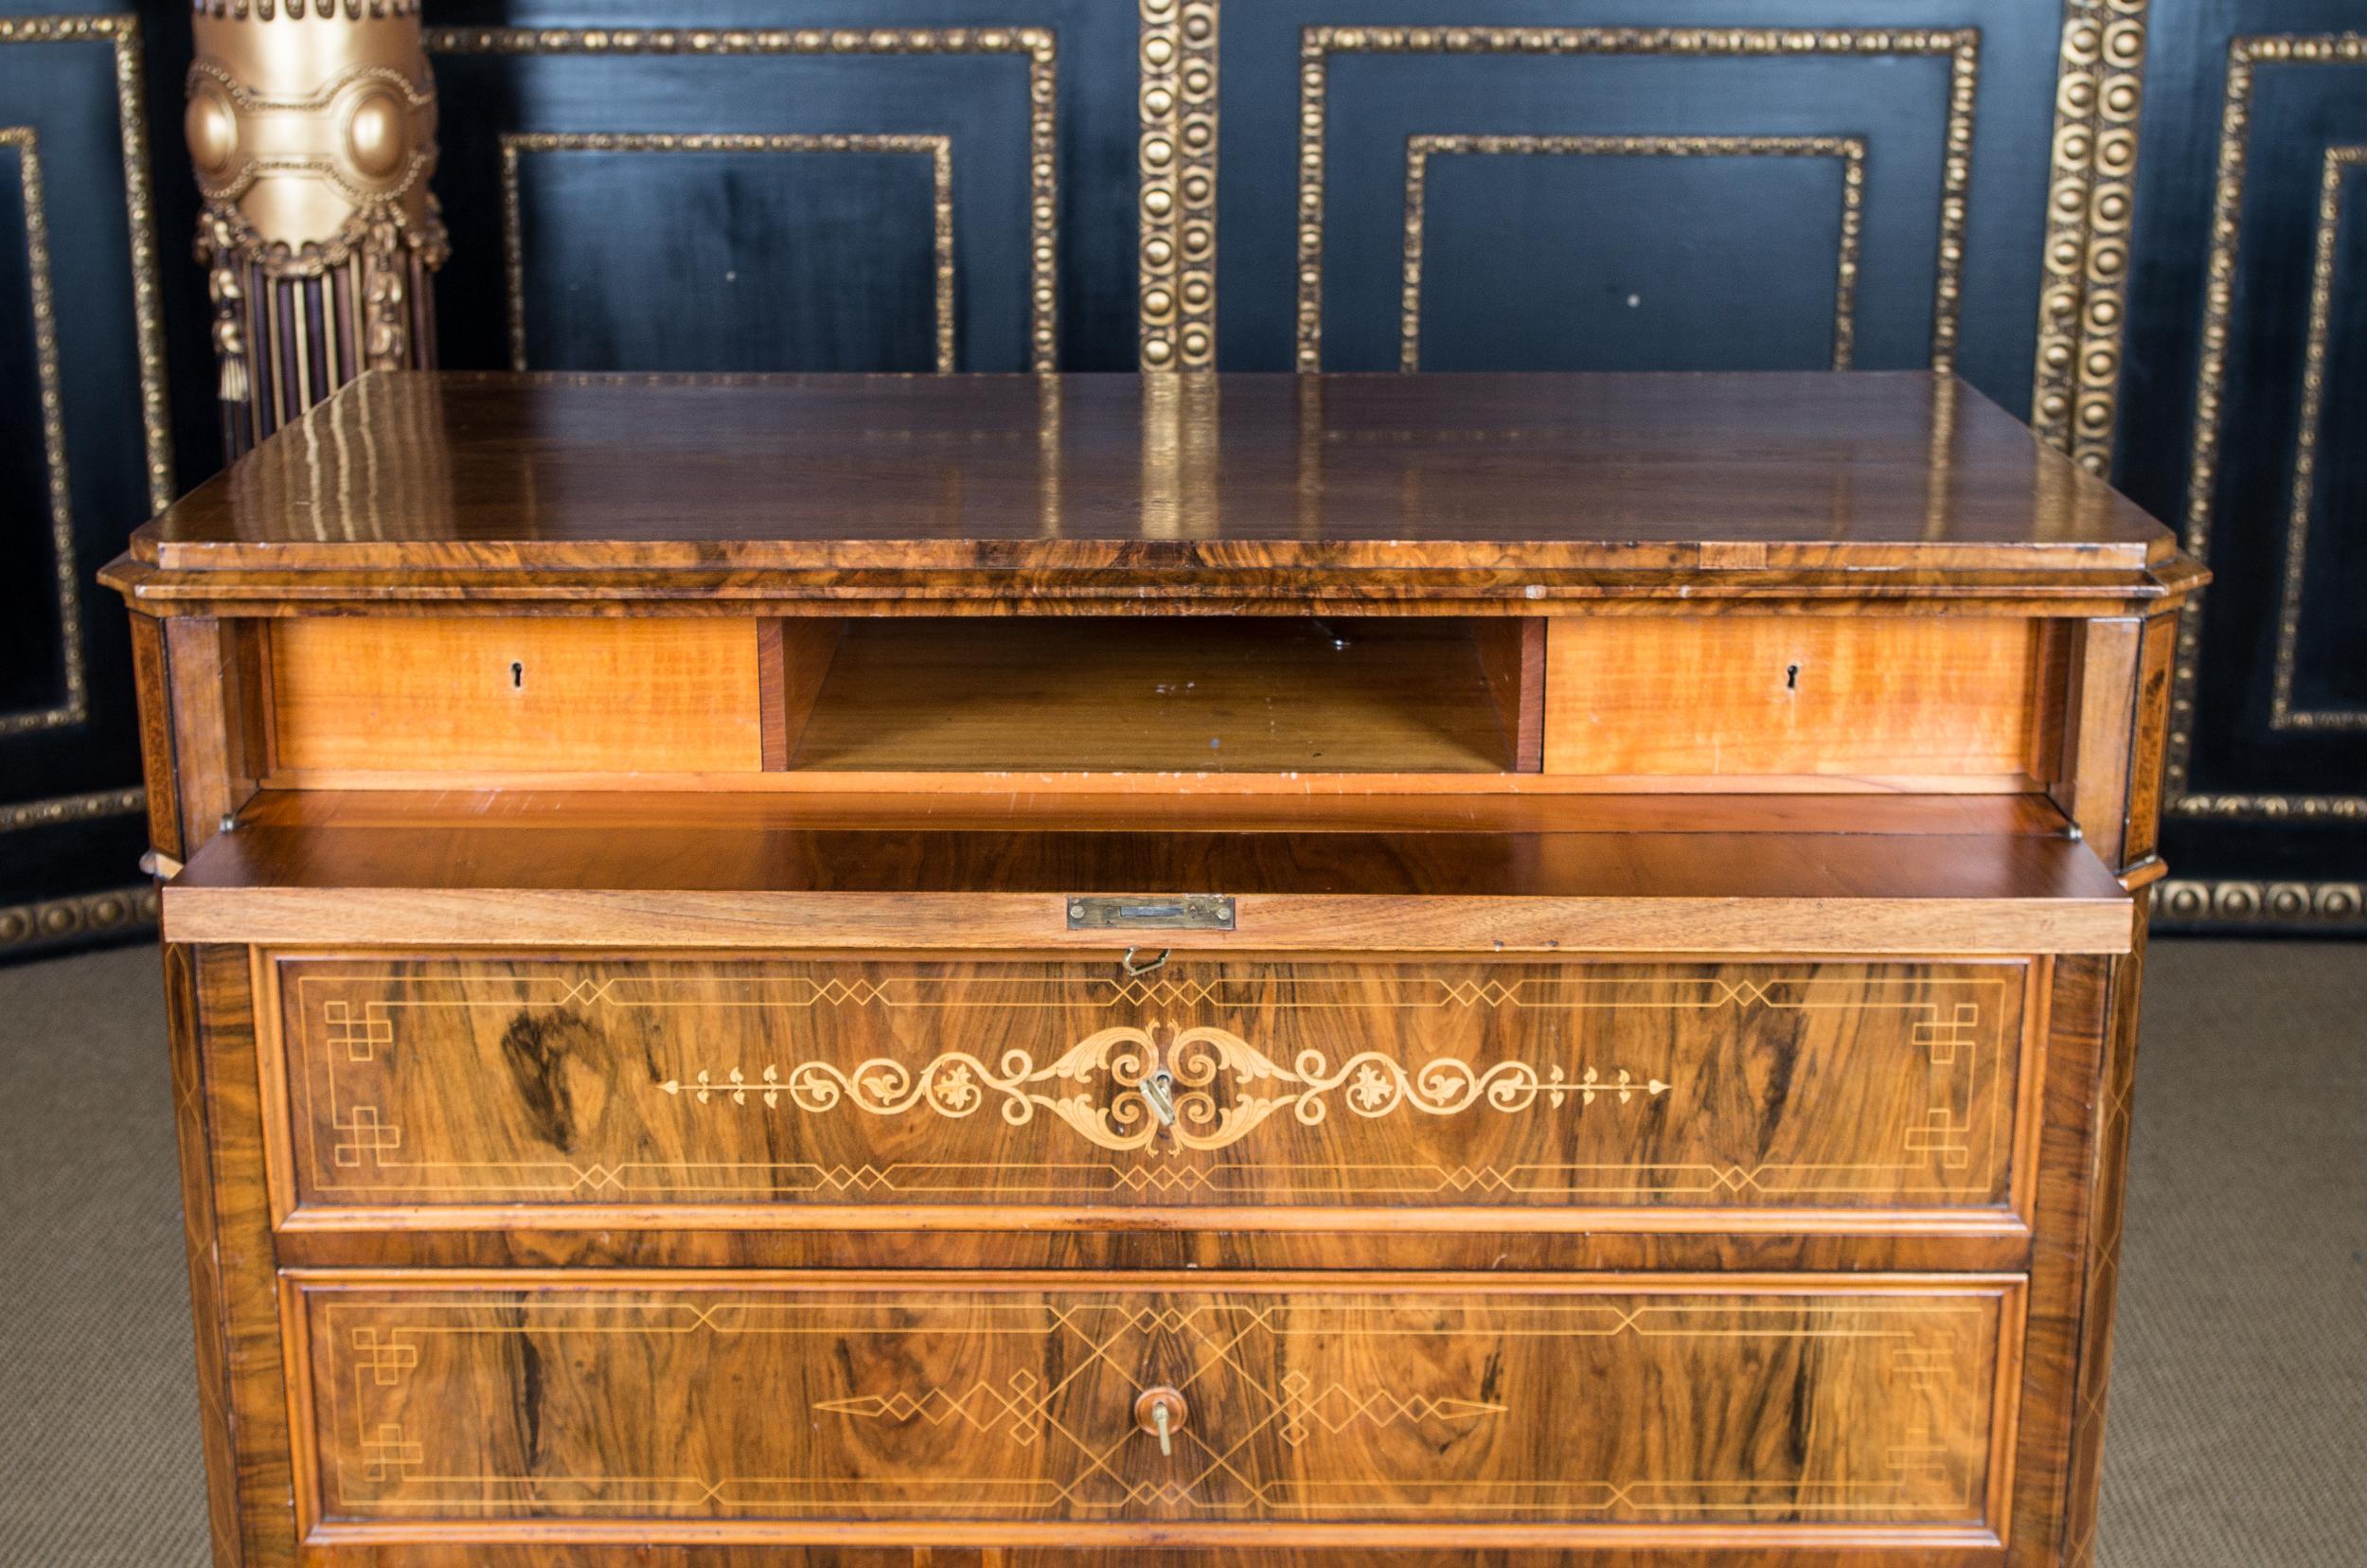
x,y
1469,892
772,696
233,1286
535,474
2099,725
2106,1187
1368,1239
460,696
1224,695
1776,695
794,656
888,1089
1924,1548
735,810
2049,1422
208,1292
156,761
213,761
643,1405
2157,650
1512,659
625,729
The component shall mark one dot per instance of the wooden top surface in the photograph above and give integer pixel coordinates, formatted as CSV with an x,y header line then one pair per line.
x,y
1174,482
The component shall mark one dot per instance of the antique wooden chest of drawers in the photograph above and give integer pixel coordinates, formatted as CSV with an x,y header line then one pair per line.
x,y
1086,969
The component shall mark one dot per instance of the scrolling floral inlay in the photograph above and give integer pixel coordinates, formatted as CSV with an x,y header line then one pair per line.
x,y
1167,1079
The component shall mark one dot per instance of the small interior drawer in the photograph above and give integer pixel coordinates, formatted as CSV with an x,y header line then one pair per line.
x,y
882,1090
527,694
1920,702
1929,704
762,1407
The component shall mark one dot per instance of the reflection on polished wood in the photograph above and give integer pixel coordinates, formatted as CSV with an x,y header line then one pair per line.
x,y
506,475
645,1404
1742,891
1668,881
1439,1083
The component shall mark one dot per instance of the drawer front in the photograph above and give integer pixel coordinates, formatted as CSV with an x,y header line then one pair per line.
x,y
763,1404
1206,1085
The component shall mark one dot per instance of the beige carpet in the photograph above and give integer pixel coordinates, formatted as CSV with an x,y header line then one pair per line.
x,y
2239,1408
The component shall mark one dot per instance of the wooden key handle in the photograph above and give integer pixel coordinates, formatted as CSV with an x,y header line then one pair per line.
x,y
1161,1411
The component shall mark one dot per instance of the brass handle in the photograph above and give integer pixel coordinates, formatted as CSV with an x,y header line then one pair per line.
x,y
1161,1411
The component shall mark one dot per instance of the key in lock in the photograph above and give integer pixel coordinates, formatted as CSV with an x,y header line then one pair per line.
x,y
1158,1089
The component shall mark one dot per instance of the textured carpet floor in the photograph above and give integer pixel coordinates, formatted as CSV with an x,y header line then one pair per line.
x,y
2239,1402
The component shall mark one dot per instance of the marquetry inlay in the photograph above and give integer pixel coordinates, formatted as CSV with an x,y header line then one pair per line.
x,y
1338,1404
1197,1064
1206,1083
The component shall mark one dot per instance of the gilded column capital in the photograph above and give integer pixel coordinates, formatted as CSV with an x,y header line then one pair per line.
x,y
311,132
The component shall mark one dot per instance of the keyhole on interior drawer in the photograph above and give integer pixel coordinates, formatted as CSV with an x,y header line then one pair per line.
x,y
1158,1089
517,677
1792,678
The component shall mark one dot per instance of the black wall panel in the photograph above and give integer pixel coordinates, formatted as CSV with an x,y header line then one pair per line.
x,y
2244,424
754,185
85,454
800,243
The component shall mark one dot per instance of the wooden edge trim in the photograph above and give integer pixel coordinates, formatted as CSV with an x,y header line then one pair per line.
x,y
1918,1544
2006,1407
568,918
1213,1281
772,697
2037,1019
295,1333
1404,592
270,1063
1953,1224
1155,784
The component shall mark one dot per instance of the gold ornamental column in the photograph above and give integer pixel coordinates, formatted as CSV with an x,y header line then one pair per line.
x,y
311,124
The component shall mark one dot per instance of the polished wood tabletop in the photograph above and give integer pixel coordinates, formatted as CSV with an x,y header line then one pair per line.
x,y
1347,474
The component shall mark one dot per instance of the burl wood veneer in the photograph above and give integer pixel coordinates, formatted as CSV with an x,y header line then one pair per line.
x,y
852,970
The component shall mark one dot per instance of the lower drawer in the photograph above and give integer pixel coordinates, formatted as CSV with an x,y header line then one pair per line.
x,y
664,1408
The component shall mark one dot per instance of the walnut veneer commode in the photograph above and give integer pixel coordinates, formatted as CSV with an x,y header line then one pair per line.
x,y
1006,969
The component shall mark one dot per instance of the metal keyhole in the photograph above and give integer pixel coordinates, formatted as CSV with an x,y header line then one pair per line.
x,y
1158,1089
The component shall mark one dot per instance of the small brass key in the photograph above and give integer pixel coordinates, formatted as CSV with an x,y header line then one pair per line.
x,y
1158,1089
1161,1411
